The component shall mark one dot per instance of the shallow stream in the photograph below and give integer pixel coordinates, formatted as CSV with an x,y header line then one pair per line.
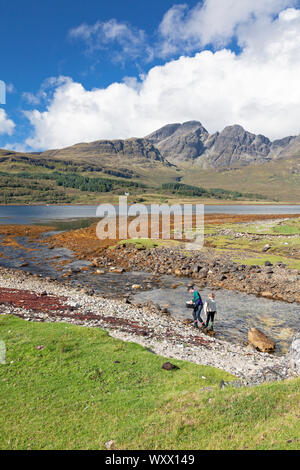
x,y
237,312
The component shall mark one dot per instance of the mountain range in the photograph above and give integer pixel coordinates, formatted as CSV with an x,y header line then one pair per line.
x,y
183,145
234,147
233,159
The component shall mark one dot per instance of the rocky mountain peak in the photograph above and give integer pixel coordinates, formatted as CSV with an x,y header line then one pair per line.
x,y
180,141
231,148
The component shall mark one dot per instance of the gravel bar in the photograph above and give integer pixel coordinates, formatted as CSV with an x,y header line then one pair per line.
x,y
37,299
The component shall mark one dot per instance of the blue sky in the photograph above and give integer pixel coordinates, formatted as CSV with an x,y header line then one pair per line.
x,y
86,70
35,45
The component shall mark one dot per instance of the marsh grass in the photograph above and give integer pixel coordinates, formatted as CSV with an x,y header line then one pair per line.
x,y
84,388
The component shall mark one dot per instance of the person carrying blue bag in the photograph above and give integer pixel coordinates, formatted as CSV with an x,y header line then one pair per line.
x,y
197,305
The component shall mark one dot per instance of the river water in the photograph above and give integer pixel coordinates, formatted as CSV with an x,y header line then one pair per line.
x,y
237,312
36,214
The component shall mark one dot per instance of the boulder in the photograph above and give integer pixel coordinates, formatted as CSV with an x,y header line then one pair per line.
x,y
117,270
75,269
266,248
267,294
110,445
197,268
169,366
260,341
165,310
100,271
73,304
294,355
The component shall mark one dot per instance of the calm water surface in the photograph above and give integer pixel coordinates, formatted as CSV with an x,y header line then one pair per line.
x,y
35,214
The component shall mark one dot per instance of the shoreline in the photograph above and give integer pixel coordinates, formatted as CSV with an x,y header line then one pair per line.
x,y
204,202
163,335
206,267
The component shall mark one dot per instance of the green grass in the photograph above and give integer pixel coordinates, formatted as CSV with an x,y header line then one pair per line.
x,y
73,395
143,243
277,227
275,179
281,235
260,261
148,243
290,227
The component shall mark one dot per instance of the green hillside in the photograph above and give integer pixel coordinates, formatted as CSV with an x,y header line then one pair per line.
x,y
80,178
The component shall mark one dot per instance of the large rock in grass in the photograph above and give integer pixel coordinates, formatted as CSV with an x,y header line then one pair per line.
x,y
294,354
260,341
266,248
169,366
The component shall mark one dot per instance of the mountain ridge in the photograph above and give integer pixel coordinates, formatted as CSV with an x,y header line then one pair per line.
x,y
232,147
180,144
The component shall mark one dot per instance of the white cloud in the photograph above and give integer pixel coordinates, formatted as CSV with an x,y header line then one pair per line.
x,y
7,126
17,147
258,88
129,42
279,40
45,91
212,22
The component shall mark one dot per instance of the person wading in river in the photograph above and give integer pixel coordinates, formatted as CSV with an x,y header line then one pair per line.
x,y
198,306
210,309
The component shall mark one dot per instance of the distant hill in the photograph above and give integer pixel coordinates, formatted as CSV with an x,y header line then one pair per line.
x,y
137,149
233,160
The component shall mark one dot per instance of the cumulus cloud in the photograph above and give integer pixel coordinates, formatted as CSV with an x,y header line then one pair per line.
x,y
7,126
212,22
257,88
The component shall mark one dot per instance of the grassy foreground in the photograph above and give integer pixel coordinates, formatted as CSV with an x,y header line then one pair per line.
x,y
86,388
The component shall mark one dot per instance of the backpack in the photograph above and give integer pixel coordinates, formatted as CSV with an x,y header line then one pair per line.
x,y
198,302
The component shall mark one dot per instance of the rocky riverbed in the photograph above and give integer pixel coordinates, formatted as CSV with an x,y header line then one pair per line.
x,y
207,268
36,299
